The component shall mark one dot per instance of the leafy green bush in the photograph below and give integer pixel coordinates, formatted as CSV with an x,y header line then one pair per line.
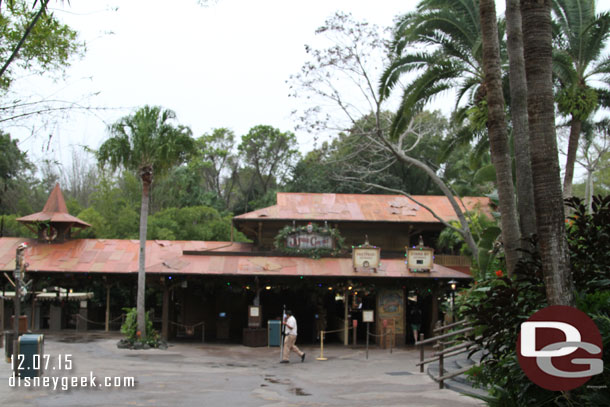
x,y
130,329
498,305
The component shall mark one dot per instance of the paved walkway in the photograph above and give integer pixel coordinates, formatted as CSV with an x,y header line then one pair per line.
x,y
192,374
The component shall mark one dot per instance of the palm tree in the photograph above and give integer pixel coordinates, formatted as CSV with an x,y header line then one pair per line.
x,y
453,30
578,61
548,201
498,133
146,143
450,33
518,117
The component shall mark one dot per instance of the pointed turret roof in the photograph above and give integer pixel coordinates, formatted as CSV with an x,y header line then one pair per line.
x,y
55,210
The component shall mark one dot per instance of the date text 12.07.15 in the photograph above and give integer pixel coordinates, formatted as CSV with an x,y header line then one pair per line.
x,y
45,362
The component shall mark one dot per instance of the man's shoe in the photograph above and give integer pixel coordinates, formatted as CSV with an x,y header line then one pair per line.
x,y
285,361
302,357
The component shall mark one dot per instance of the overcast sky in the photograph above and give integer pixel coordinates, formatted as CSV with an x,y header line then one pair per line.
x,y
223,65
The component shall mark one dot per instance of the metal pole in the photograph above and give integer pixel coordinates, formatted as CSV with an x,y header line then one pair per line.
x,y
345,325
421,353
107,308
283,333
321,347
165,312
17,306
441,364
452,306
367,340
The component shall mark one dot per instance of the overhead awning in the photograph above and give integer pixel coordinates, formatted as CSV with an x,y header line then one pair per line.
x,y
293,266
113,256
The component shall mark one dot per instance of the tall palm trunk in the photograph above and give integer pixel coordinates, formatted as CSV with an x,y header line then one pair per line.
x,y
518,96
550,223
498,135
575,129
146,177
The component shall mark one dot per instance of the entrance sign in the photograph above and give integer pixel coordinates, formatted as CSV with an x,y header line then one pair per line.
x,y
420,259
364,257
309,241
368,315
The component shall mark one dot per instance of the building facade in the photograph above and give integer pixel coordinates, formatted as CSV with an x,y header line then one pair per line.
x,y
301,257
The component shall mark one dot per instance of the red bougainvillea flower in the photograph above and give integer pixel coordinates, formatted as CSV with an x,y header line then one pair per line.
x,y
499,273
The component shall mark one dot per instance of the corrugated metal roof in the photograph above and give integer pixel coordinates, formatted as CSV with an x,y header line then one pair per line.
x,y
363,207
55,210
103,255
121,256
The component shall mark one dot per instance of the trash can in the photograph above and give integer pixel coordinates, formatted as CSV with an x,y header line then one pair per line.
x,y
31,347
274,328
9,336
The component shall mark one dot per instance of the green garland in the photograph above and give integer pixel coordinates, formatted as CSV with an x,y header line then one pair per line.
x,y
285,232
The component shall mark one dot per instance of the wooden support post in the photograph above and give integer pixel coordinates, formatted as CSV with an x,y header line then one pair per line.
x,y
107,326
345,322
165,312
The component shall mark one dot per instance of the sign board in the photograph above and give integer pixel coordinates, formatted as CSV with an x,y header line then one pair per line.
x,y
309,241
254,316
368,315
366,257
420,259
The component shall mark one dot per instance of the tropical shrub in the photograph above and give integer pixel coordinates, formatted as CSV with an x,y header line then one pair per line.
x,y
132,335
498,305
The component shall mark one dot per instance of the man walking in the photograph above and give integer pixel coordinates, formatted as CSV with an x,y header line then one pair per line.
x,y
290,326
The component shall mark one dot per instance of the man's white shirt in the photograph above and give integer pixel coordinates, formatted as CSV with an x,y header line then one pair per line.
x,y
291,322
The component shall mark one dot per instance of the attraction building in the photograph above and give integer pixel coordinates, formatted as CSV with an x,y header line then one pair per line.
x,y
328,257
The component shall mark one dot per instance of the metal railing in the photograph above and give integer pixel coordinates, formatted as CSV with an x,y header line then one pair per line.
x,y
452,340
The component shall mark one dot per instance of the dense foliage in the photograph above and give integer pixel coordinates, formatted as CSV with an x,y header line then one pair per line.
x,y
133,336
499,304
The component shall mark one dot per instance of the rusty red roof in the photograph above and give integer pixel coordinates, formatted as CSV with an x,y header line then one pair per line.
x,y
55,210
363,207
121,256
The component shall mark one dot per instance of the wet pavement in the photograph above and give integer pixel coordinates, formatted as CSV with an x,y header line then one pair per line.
x,y
197,374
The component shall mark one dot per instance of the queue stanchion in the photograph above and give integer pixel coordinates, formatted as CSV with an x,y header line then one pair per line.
x,y
321,347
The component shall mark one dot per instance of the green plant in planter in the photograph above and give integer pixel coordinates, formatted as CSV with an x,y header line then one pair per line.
x,y
284,233
130,329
